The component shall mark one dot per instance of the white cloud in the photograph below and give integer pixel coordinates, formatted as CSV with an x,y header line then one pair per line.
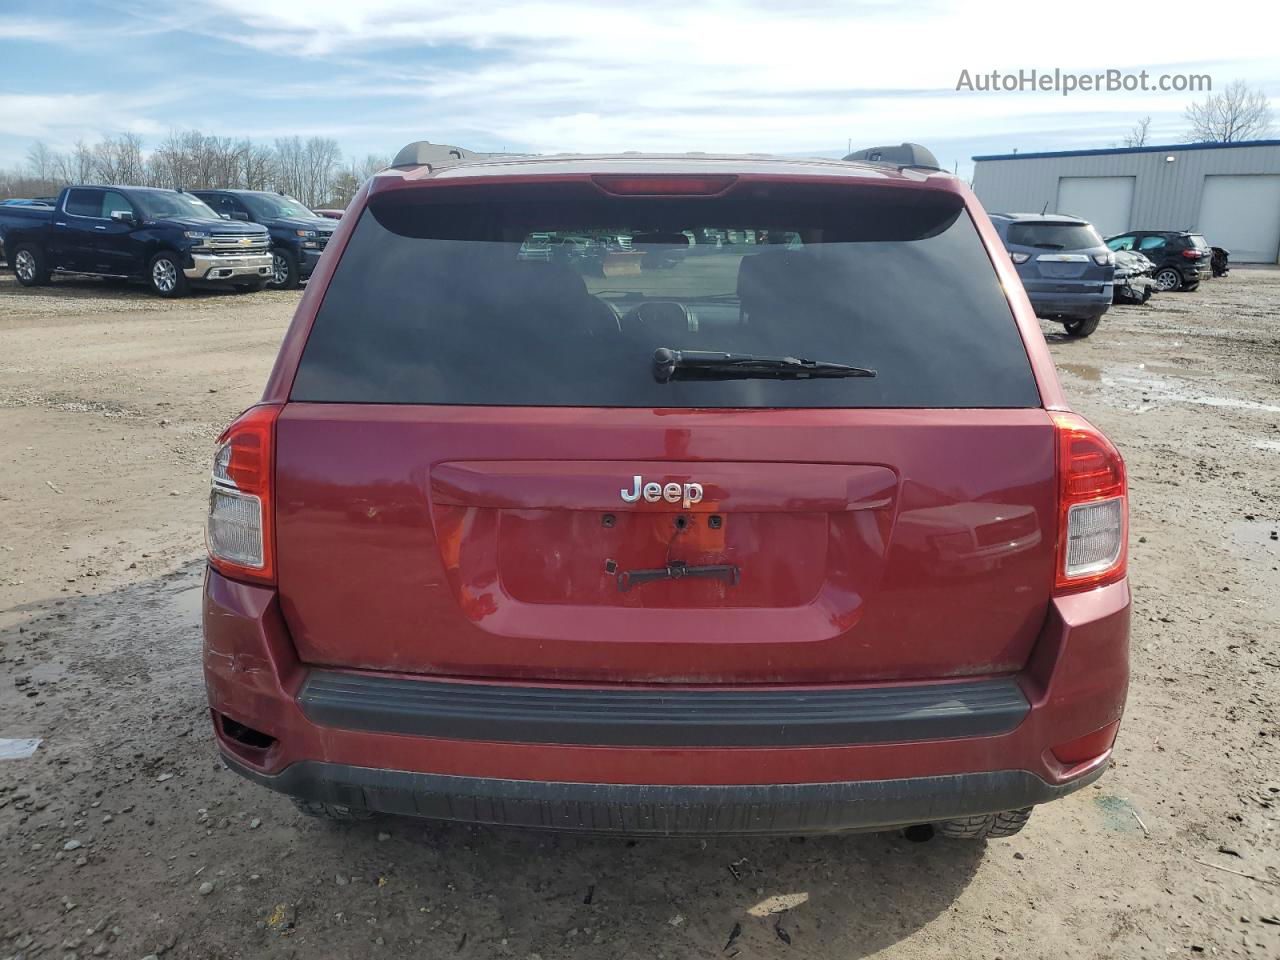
x,y
753,75
722,75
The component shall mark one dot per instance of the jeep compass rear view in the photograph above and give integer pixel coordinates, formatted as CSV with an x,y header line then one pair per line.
x,y
667,495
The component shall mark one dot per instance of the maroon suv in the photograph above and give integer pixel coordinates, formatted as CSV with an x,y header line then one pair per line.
x,y
667,495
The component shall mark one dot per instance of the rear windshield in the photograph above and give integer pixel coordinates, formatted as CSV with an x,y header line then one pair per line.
x,y
1197,241
1054,236
560,297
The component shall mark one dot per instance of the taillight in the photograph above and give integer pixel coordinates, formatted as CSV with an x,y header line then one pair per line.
x,y
1019,257
241,519
662,185
1093,506
1192,254
1107,259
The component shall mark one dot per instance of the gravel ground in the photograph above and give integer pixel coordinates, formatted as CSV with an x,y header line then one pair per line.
x,y
122,836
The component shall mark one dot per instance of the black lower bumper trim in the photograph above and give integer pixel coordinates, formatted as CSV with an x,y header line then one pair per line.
x,y
655,717
640,810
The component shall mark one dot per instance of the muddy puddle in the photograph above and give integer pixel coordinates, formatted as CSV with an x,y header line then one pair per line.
x,y
1256,533
1140,386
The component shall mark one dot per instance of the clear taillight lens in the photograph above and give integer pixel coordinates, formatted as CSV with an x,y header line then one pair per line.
x,y
235,527
238,533
1095,534
1019,257
1107,259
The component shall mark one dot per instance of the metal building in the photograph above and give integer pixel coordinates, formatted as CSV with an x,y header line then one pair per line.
x,y
1230,192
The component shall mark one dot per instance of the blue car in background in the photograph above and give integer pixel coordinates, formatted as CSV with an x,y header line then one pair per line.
x,y
1066,268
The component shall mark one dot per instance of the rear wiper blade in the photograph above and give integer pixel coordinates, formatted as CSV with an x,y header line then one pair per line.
x,y
671,365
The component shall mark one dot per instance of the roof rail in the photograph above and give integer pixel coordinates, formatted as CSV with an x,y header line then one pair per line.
x,y
424,152
901,155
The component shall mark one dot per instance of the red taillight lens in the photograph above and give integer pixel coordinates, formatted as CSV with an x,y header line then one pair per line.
x,y
1088,747
240,528
1192,254
622,185
1093,506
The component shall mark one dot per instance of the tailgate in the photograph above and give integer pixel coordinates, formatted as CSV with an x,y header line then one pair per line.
x,y
430,541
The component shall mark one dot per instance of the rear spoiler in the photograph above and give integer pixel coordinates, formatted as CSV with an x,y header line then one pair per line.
x,y
425,153
900,156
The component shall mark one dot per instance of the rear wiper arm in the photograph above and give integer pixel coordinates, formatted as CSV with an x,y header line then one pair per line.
x,y
671,365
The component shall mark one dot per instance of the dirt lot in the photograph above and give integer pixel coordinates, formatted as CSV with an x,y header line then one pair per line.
x,y
122,836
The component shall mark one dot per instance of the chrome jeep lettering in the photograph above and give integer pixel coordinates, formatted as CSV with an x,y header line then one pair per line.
x,y
684,493
634,495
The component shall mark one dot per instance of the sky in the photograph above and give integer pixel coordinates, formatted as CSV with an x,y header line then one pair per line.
x,y
547,76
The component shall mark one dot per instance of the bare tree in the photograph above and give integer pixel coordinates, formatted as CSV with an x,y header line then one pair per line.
x,y
313,170
290,166
1238,113
40,161
1139,134
119,160
257,166
76,166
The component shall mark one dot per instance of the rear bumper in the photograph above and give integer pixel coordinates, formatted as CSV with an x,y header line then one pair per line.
x,y
637,810
573,755
1060,304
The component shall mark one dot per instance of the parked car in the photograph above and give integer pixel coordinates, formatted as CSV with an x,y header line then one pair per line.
x,y
1220,262
329,213
1135,277
166,238
1182,259
787,546
298,236
1065,267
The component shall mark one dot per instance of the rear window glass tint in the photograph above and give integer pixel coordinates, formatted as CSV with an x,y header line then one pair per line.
x,y
1198,241
1055,236
556,296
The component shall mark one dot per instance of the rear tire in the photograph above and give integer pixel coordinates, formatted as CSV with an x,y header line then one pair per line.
x,y
1168,280
29,266
284,270
252,286
334,812
165,276
1083,327
990,826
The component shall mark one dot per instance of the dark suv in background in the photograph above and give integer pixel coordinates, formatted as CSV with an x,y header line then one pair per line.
x,y
298,236
1065,267
1182,259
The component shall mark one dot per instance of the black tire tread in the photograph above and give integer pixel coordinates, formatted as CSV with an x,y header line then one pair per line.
x,y
1084,327
987,826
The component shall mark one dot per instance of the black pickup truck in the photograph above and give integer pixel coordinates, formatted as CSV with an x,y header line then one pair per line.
x,y
166,238
298,236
